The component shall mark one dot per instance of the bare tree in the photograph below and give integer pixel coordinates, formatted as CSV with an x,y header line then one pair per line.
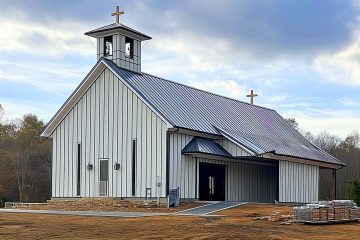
x,y
2,113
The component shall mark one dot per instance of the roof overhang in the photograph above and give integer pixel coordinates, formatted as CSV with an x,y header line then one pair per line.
x,y
124,30
242,160
95,72
301,160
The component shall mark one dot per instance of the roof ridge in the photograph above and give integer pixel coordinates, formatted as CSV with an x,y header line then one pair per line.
x,y
201,90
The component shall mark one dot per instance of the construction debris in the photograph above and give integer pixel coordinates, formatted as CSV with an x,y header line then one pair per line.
x,y
324,212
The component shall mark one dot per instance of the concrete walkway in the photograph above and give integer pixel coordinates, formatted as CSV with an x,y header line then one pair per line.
x,y
210,208
85,213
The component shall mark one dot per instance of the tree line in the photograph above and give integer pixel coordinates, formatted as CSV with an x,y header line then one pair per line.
x,y
25,161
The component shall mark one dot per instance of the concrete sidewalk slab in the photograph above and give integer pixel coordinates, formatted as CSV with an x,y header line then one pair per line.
x,y
210,208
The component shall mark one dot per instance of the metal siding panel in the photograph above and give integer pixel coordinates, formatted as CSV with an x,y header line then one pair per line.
x,y
148,149
163,157
124,143
129,141
106,115
72,155
153,155
95,160
158,158
120,140
111,135
139,149
144,148
53,164
66,159
101,117
58,162
62,156
116,136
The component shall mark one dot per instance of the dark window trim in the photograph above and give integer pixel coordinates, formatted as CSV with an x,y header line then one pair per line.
x,y
133,172
78,184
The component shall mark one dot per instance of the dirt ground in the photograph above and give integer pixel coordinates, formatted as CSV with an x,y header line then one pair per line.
x,y
107,204
237,223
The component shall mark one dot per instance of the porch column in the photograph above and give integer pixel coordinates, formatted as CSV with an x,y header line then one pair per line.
x,y
333,192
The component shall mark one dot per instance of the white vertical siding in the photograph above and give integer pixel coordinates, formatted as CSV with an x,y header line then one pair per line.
x,y
244,182
105,121
298,182
232,148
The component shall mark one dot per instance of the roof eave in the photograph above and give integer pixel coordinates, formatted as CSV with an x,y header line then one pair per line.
x,y
315,162
104,32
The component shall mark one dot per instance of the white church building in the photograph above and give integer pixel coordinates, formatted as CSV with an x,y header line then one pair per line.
x,y
124,133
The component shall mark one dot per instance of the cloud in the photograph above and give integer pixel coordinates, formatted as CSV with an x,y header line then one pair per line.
x,y
51,77
339,122
249,29
42,38
15,109
228,88
342,66
348,102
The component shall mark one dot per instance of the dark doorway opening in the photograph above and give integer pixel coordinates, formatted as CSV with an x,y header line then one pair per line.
x,y
211,182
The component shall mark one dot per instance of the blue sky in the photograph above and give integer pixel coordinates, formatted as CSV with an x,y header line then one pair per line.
x,y
301,57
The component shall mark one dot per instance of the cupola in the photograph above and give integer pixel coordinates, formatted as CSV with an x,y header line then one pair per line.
x,y
119,43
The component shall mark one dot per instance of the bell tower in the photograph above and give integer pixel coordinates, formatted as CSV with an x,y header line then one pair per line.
x,y
119,43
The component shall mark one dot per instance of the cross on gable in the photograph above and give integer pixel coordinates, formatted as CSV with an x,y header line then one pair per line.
x,y
251,96
117,14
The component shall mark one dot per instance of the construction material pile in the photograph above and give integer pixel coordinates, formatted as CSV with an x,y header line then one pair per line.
x,y
327,212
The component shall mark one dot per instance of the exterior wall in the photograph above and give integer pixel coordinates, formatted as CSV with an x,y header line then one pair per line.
x,y
232,148
298,182
105,121
118,55
245,182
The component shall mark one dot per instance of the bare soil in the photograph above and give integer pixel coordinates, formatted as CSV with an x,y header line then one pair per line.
x,y
236,223
108,205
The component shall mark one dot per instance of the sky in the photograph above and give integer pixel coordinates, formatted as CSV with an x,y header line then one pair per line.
x,y
301,57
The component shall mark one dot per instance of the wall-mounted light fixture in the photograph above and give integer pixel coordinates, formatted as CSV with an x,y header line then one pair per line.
x,y
89,166
116,166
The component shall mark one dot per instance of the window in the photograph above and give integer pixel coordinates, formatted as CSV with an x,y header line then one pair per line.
x,y
211,185
133,173
78,185
108,46
129,48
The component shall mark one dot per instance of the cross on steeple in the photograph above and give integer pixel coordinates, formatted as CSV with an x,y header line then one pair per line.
x,y
117,14
251,96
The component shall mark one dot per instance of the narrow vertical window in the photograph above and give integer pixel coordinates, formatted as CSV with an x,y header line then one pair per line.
x,y
133,173
108,46
78,169
129,48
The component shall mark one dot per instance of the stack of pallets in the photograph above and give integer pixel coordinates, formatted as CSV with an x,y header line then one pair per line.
x,y
355,213
327,212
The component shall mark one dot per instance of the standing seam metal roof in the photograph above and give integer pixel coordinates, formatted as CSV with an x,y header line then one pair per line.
x,y
198,110
205,145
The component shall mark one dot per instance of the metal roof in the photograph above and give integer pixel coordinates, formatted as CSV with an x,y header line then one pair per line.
x,y
205,145
258,128
115,26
